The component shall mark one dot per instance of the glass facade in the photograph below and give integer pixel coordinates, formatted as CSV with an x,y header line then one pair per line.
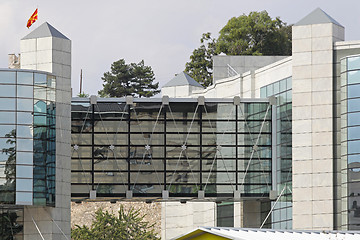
x,y
182,147
281,217
11,223
350,138
27,138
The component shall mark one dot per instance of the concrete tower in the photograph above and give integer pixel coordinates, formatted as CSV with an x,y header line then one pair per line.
x,y
46,49
313,40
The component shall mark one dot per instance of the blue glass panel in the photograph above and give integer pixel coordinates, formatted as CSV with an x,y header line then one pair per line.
x,y
7,104
24,145
24,118
263,92
353,77
289,83
270,90
353,63
353,133
283,85
23,198
354,158
7,77
7,117
5,130
40,79
353,147
40,107
354,105
24,184
25,105
24,131
7,143
353,119
7,91
23,171
276,87
353,91
25,91
24,158
25,78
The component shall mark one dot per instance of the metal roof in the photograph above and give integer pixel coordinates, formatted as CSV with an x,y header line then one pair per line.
x,y
317,16
270,234
45,30
182,79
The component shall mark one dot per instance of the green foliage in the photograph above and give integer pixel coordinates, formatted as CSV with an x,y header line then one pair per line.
x,y
106,226
255,34
83,95
200,67
9,226
134,79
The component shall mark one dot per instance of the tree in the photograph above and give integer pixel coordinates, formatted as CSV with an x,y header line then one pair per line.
x,y
83,95
106,226
129,79
255,34
200,67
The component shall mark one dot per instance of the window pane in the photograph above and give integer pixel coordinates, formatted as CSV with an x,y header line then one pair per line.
x,y
353,147
24,118
25,91
24,158
353,133
354,119
7,90
23,198
354,91
25,78
24,131
24,171
40,79
6,130
25,105
353,77
24,185
7,103
7,77
24,145
353,63
354,105
7,117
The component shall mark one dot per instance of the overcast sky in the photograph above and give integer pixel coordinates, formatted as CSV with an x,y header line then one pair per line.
x,y
162,32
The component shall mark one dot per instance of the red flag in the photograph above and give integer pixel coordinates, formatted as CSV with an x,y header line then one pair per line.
x,y
33,18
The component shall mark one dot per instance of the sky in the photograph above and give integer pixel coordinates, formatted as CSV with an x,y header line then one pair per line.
x,y
163,33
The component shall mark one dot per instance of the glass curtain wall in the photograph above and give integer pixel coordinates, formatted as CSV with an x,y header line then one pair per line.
x,y
27,138
181,147
281,217
350,138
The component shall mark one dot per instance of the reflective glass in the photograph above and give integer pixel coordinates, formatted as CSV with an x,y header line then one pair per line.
x,y
40,79
24,145
51,81
7,77
353,77
25,91
353,147
354,91
7,103
40,106
24,171
40,93
7,117
353,133
354,105
24,184
353,119
24,131
24,118
25,104
24,158
7,91
6,130
7,143
24,198
353,63
25,78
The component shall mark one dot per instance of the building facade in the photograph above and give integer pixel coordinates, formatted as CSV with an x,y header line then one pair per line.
x,y
272,143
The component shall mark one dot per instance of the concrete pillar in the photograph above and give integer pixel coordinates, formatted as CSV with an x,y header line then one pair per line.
x,y
312,120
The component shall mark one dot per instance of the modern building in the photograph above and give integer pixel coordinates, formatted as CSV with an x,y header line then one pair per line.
x,y
272,143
